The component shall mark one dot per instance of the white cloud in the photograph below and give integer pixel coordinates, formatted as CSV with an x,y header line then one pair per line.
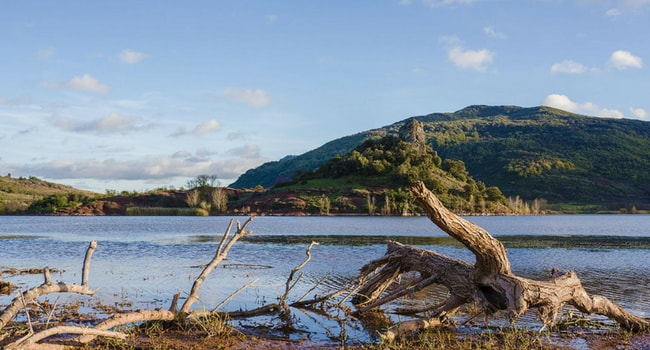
x,y
589,108
489,31
470,59
639,113
88,83
561,102
85,82
131,57
253,98
112,123
204,128
621,59
568,66
199,130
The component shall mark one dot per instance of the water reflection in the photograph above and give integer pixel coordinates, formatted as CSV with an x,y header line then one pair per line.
x,y
595,243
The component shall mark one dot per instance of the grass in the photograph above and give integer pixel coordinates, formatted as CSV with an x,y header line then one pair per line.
x,y
16,194
160,211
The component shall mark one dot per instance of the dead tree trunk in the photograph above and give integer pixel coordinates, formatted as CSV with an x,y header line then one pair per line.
x,y
489,282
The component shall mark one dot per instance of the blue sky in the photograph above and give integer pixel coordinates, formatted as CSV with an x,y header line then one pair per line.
x,y
135,95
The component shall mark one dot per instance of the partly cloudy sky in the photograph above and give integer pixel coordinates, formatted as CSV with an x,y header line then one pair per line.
x,y
126,95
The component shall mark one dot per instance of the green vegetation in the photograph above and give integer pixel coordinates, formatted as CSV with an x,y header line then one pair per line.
x,y
380,171
55,202
158,211
18,194
205,197
542,153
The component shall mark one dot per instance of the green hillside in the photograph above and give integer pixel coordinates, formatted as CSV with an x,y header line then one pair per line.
x,y
537,152
374,179
17,194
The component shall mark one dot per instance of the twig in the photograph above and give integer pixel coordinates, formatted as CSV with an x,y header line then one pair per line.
x,y
313,287
288,285
233,294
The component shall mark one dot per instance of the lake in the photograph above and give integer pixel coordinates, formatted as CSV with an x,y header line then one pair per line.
x,y
146,260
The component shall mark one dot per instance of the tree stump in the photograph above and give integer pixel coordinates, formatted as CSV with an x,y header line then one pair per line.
x,y
489,283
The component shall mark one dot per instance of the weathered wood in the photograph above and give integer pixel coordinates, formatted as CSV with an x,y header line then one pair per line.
x,y
22,299
31,342
220,255
131,317
432,267
490,254
489,282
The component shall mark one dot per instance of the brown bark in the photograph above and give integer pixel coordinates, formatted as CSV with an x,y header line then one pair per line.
x,y
490,282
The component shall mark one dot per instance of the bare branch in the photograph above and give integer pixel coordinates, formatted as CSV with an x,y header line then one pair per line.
x,y
289,286
220,255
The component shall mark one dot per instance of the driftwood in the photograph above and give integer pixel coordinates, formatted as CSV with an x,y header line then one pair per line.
x,y
22,299
489,282
103,329
184,314
281,306
222,253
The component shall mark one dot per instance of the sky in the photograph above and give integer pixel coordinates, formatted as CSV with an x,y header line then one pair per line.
x,y
137,95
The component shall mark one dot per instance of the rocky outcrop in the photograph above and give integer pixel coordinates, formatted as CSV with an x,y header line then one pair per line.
x,y
413,132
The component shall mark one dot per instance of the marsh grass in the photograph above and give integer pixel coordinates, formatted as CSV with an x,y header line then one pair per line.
x,y
490,339
217,332
161,211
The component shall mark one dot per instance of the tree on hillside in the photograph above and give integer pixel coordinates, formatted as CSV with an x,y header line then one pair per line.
x,y
203,181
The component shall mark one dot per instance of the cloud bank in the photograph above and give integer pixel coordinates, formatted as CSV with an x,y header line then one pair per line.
x,y
589,108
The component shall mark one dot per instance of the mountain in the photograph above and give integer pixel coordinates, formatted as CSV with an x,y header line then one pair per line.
x,y
535,153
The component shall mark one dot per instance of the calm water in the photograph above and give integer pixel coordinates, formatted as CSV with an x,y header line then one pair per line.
x,y
148,259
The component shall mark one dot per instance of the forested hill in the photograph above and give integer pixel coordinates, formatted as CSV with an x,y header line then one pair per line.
x,y
537,152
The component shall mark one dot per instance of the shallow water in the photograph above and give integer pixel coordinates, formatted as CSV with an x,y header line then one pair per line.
x,y
148,259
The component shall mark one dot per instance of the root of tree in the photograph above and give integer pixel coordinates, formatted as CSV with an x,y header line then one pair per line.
x,y
489,283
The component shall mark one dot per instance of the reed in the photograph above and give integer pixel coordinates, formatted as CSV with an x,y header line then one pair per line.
x,y
160,211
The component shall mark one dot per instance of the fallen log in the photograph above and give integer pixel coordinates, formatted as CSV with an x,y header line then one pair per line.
x,y
489,283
